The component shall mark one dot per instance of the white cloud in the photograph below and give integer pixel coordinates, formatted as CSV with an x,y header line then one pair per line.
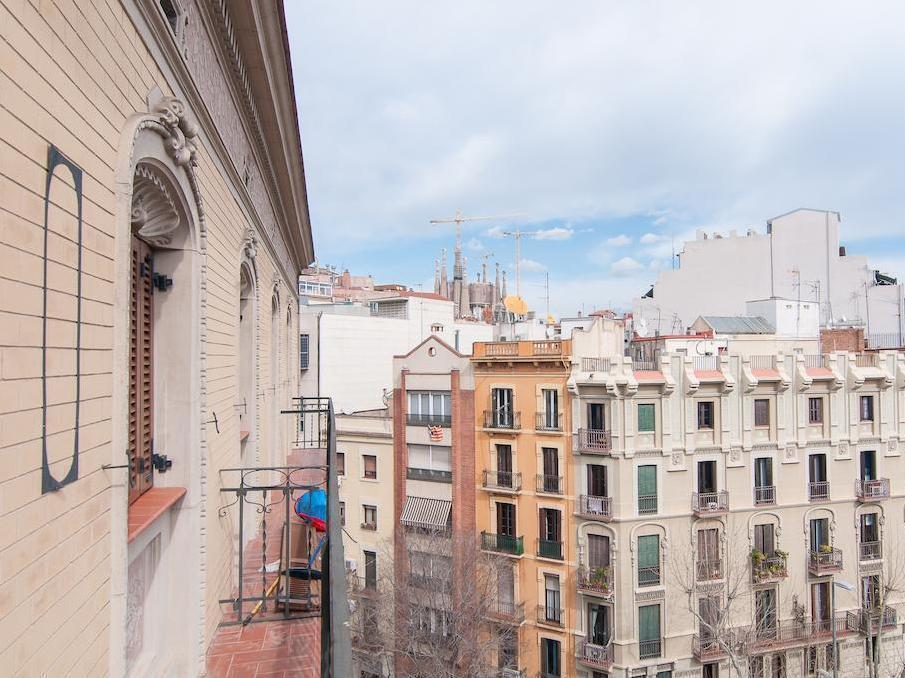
x,y
475,245
556,233
532,266
496,231
620,240
652,238
625,266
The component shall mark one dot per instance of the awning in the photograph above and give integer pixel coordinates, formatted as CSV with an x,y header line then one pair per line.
x,y
425,513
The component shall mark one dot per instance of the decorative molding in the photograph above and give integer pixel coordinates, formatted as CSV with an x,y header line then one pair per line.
x,y
250,244
180,129
656,594
154,215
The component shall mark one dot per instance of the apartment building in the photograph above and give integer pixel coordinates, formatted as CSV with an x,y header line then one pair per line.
x,y
524,499
735,512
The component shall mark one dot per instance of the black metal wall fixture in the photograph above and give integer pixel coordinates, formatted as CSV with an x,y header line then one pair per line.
x,y
48,483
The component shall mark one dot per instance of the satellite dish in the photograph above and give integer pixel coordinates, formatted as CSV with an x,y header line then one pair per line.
x,y
641,328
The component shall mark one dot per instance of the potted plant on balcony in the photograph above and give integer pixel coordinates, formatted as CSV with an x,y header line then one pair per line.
x,y
599,578
826,548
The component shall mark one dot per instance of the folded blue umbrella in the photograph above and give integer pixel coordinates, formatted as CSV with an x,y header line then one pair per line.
x,y
312,507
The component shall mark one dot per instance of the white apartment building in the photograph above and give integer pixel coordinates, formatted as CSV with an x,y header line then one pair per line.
x,y
799,257
737,510
347,349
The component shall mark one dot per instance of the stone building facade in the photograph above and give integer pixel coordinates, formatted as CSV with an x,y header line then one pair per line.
x,y
154,222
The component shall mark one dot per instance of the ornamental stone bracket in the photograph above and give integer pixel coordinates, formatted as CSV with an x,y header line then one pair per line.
x,y
250,244
154,215
790,455
180,131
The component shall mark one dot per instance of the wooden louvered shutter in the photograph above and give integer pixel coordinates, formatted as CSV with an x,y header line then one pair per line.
x,y
141,375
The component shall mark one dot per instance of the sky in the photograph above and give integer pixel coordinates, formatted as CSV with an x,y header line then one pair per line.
x,y
612,130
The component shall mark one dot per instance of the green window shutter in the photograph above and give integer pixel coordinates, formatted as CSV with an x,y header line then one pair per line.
x,y
648,623
646,418
649,551
647,481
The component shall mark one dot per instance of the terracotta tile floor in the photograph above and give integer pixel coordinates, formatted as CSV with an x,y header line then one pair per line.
x,y
275,648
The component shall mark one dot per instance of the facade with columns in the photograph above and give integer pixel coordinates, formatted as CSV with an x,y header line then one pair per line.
x,y
154,222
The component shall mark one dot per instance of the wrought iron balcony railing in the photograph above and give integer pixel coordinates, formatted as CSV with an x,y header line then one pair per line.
x,y
444,420
507,612
550,615
709,503
548,421
503,481
824,560
872,490
593,441
503,420
647,504
648,649
502,543
869,620
764,495
592,654
595,581
649,576
709,569
706,648
766,568
548,548
429,474
548,484
595,508
819,491
870,550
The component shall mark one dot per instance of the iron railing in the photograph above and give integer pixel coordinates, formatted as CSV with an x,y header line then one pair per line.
x,y
763,362
509,611
595,581
824,560
592,654
764,495
506,419
429,474
706,363
774,633
552,615
814,362
508,481
549,548
593,441
710,502
709,569
869,621
870,550
819,490
766,568
866,360
596,364
444,420
548,484
884,340
595,508
647,504
502,543
871,490
706,647
548,421
649,576
648,649
639,365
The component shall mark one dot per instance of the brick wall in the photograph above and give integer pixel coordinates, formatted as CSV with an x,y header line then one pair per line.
x,y
842,339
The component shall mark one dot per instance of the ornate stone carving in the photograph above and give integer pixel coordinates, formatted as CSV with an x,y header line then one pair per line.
x,y
154,215
843,449
655,594
250,243
892,445
181,130
791,452
735,454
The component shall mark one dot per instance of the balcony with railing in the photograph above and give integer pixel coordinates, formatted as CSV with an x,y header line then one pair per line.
x,y
362,586
550,615
706,648
769,569
866,360
710,503
872,490
507,482
506,612
593,441
776,634
648,649
824,560
595,656
369,526
870,550
444,420
502,420
706,363
647,504
765,495
648,576
870,621
549,548
502,543
709,569
433,475
596,364
595,581
591,507
550,422
548,484
818,491
521,350
763,362
639,365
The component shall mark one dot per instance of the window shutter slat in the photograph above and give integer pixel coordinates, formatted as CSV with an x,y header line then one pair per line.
x,y
141,372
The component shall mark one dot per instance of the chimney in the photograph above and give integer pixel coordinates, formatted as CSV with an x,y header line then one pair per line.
x,y
346,280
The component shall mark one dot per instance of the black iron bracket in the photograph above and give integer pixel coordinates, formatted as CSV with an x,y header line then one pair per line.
x,y
161,463
161,282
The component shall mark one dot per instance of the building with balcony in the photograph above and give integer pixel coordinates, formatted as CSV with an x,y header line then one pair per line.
x,y
155,221
525,502
769,476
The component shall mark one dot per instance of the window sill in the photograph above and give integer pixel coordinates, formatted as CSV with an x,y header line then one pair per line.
x,y
150,506
243,436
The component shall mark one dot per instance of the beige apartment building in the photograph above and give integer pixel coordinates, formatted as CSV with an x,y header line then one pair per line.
x,y
736,513
153,222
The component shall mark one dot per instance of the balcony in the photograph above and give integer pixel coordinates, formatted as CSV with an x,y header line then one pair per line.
x,y
709,570
870,550
595,508
768,569
705,648
765,495
593,441
506,612
595,656
819,491
550,615
547,548
648,576
597,581
503,420
648,649
548,421
824,561
520,351
502,543
710,503
791,632
444,420
870,621
506,482
363,586
647,504
429,474
369,526
872,490
547,484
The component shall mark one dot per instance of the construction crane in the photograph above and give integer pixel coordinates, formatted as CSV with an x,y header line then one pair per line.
x,y
518,234
458,220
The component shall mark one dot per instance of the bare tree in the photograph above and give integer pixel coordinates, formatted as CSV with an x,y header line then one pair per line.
x,y
436,611
878,617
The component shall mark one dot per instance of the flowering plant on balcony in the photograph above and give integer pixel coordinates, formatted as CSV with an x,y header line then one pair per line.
x,y
599,578
826,548
757,557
